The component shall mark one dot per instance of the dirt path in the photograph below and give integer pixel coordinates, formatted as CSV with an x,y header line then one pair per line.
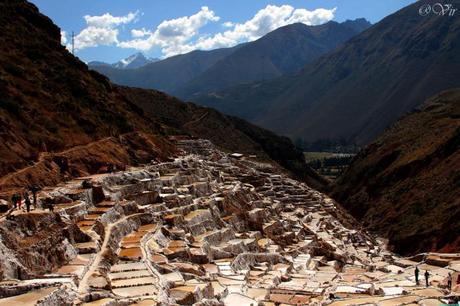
x,y
83,286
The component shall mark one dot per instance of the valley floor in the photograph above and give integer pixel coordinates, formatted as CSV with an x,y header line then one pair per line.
x,y
205,229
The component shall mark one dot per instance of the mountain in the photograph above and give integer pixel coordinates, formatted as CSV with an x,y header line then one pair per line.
x,y
134,61
58,119
167,74
359,89
282,51
406,184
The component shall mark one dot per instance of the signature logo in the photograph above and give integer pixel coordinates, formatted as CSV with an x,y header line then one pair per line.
x,y
439,9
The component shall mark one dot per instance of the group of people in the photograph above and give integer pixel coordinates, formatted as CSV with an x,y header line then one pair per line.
x,y
17,198
427,276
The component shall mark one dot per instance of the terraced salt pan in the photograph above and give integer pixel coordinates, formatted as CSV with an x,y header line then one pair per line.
x,y
302,231
134,253
399,301
27,299
235,299
130,274
135,291
101,302
133,282
146,302
130,266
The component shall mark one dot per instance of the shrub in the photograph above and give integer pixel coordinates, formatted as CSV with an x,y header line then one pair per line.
x,y
11,106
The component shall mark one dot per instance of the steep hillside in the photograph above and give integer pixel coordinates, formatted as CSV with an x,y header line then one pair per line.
x,y
285,50
52,108
231,134
406,185
50,100
355,92
166,75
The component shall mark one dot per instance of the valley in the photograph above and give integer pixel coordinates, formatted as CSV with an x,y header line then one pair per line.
x,y
300,157
205,229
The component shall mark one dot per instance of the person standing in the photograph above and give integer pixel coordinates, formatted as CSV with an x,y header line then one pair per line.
x,y
34,189
449,281
14,200
18,200
427,276
417,271
27,201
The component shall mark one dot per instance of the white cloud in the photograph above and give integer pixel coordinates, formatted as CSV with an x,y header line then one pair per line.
x,y
228,24
137,33
63,37
102,30
266,20
93,37
315,17
172,36
109,21
182,35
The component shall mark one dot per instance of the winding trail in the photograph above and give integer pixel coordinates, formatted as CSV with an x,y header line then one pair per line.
x,y
83,286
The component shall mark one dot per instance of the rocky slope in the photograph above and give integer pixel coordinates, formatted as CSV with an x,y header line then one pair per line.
x,y
362,87
51,102
230,133
406,184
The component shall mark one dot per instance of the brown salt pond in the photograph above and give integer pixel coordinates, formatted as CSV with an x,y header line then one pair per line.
x,y
135,291
136,238
131,253
129,274
133,282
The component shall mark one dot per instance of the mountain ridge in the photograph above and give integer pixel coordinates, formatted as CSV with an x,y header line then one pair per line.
x,y
264,58
133,61
359,89
167,74
282,51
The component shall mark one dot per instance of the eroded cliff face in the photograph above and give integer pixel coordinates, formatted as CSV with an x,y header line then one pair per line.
x,y
203,229
34,244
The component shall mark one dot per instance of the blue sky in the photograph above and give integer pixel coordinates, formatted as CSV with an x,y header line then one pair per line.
x,y
115,29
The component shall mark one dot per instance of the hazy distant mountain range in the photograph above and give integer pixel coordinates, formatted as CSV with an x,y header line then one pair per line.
x,y
168,74
134,61
284,50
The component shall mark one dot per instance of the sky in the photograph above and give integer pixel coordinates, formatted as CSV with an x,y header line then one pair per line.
x,y
109,30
